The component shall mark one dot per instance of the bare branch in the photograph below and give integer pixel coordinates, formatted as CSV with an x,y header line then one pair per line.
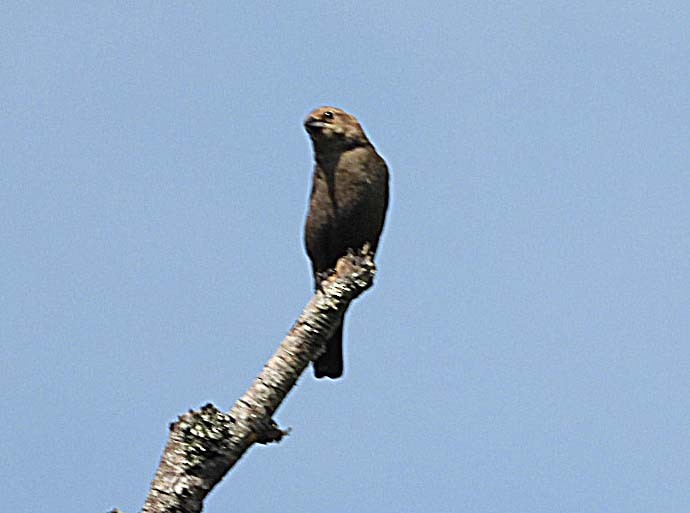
x,y
205,444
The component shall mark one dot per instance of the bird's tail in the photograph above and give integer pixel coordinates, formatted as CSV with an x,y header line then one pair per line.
x,y
330,363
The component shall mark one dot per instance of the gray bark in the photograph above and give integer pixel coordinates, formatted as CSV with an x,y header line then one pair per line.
x,y
205,444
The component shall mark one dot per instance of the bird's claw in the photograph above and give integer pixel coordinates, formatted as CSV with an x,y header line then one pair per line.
x,y
322,276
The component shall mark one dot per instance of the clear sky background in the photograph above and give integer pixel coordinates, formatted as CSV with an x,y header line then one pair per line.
x,y
526,347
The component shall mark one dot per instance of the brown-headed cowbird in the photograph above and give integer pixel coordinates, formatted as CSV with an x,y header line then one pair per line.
x,y
347,207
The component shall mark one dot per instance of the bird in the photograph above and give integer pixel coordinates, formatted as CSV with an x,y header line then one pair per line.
x,y
347,205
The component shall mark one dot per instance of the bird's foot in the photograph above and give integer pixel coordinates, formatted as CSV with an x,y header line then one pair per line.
x,y
356,258
323,276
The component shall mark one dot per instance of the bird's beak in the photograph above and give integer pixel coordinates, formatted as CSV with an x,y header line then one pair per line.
x,y
312,124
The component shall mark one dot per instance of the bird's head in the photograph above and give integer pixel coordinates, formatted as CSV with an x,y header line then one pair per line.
x,y
333,128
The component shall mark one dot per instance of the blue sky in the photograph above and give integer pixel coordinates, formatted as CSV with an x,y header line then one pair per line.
x,y
526,345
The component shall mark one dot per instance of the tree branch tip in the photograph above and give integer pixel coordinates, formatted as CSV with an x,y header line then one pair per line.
x,y
357,266
204,444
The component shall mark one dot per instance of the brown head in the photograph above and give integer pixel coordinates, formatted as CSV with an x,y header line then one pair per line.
x,y
333,128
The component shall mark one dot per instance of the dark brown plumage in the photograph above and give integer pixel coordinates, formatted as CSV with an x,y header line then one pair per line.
x,y
347,207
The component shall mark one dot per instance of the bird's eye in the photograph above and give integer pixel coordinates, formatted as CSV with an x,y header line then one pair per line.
x,y
328,115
